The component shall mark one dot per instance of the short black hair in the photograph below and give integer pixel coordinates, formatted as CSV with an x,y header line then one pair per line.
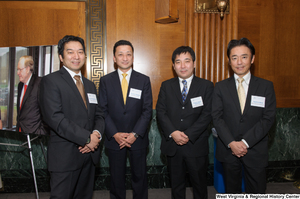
x,y
66,39
242,42
183,49
122,43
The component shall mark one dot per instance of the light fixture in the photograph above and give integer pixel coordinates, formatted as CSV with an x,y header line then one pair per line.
x,y
212,6
222,5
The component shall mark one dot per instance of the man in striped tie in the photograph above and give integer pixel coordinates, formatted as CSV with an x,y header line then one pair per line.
x,y
183,113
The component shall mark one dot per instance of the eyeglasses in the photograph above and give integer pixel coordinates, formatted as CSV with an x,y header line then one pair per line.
x,y
19,69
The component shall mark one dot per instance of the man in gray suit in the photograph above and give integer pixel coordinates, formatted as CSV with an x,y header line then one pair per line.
x,y
70,107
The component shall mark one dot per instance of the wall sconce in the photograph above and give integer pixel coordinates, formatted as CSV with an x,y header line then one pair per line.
x,y
212,6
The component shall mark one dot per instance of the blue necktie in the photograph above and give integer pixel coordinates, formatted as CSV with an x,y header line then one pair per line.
x,y
184,90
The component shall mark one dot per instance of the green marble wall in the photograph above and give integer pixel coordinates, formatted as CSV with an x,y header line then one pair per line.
x,y
284,153
284,137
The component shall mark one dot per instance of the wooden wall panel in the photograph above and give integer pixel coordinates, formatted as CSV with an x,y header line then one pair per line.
x,y
273,28
153,43
166,11
32,23
208,35
271,25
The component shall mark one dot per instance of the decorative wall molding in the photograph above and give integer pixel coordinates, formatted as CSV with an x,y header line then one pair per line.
x,y
209,35
96,40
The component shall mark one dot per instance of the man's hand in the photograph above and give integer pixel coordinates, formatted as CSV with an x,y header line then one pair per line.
x,y
95,140
84,149
121,139
130,139
180,137
93,145
238,149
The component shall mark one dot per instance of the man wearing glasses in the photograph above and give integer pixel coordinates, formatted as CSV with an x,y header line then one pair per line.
x,y
28,110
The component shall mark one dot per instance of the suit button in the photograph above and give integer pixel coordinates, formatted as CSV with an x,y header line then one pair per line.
x,y
124,113
183,107
181,120
241,120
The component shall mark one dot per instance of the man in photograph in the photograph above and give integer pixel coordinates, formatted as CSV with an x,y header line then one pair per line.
x,y
29,118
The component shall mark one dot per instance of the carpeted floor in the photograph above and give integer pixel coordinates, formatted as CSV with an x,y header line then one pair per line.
x,y
279,188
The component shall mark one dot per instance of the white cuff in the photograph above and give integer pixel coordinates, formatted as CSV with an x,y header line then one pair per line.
x,y
99,134
245,143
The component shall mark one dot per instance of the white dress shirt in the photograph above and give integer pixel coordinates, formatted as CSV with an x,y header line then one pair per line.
x,y
22,93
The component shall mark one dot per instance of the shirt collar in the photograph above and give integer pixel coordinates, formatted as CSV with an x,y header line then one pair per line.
x,y
28,80
128,72
247,78
188,80
72,73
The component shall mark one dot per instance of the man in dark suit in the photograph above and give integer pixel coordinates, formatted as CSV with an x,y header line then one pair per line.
x,y
69,106
126,99
183,113
243,111
28,111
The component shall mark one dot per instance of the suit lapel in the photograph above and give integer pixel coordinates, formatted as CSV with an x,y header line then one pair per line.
x,y
133,82
20,86
67,77
233,93
253,86
192,89
29,89
86,89
176,89
115,81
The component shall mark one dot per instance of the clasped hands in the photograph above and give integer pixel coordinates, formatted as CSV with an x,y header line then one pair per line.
x,y
93,145
124,139
238,148
180,137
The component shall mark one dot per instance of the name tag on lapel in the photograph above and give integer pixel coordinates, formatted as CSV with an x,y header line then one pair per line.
x,y
92,98
135,93
196,102
258,101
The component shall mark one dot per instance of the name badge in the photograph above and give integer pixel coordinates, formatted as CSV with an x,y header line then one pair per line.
x,y
92,98
258,101
196,102
135,93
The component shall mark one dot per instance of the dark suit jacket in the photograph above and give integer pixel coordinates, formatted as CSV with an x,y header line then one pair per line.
x,y
29,117
132,117
253,125
173,114
71,123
